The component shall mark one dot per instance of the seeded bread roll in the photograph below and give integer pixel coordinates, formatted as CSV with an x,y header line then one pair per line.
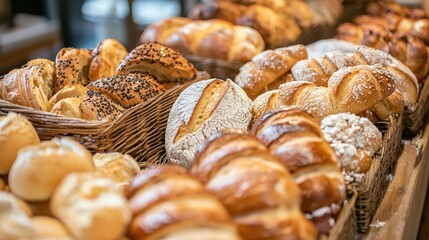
x,y
31,85
128,90
162,62
200,111
72,67
16,132
105,59
97,106
38,169
70,91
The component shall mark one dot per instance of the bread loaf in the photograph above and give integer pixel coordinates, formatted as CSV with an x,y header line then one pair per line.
x,y
39,169
96,106
167,203
354,139
91,207
217,9
267,67
209,38
253,185
30,86
16,133
264,103
201,110
69,91
294,136
68,107
72,67
105,59
128,90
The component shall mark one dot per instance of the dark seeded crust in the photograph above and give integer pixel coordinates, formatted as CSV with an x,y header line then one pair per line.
x,y
97,106
129,90
162,62
72,66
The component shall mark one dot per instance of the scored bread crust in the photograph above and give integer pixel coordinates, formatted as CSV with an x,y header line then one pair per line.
x,y
230,111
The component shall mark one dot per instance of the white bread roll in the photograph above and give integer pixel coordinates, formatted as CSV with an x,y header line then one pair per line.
x,y
14,221
50,228
121,168
39,168
201,110
16,132
91,207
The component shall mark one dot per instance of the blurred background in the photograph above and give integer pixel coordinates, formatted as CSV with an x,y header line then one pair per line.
x,y
39,28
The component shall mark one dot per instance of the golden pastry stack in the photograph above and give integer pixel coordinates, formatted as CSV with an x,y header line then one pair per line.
x,y
401,31
97,84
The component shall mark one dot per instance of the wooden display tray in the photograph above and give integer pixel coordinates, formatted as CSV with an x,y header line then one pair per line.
x,y
399,213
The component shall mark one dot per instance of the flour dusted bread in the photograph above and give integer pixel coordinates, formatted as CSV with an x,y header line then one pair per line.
x,y
201,110
72,67
31,85
160,61
105,59
16,133
38,169
91,207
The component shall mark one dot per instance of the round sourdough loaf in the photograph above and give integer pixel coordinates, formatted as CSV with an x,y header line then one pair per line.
x,y
201,110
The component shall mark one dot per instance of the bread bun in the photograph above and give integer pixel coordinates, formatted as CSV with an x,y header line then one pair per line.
x,y
68,107
69,91
15,224
201,110
50,228
105,59
30,86
128,90
219,9
39,168
91,207
160,61
72,67
97,106
16,132
121,168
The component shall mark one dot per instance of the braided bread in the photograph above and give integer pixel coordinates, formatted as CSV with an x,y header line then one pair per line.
x,y
267,67
253,185
294,136
167,203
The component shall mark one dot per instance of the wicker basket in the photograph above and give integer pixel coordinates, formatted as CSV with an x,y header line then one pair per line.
x,y
414,121
375,182
138,131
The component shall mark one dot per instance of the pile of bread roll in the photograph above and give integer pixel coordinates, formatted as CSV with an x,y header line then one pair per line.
x,y
279,22
97,84
399,30
57,190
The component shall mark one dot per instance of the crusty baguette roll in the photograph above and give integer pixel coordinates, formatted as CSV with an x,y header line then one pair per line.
x,y
167,203
96,106
130,89
214,38
69,91
354,139
105,59
294,136
68,107
121,168
50,228
350,89
16,133
91,207
267,67
253,185
15,224
38,169
200,110
31,85
160,61
72,67
264,103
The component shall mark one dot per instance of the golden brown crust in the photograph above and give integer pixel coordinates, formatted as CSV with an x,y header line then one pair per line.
x,y
129,90
219,9
105,59
393,104
72,67
70,91
160,61
97,106
68,107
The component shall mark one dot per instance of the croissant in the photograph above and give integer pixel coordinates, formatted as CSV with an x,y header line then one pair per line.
x,y
209,38
294,136
253,185
268,67
167,203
